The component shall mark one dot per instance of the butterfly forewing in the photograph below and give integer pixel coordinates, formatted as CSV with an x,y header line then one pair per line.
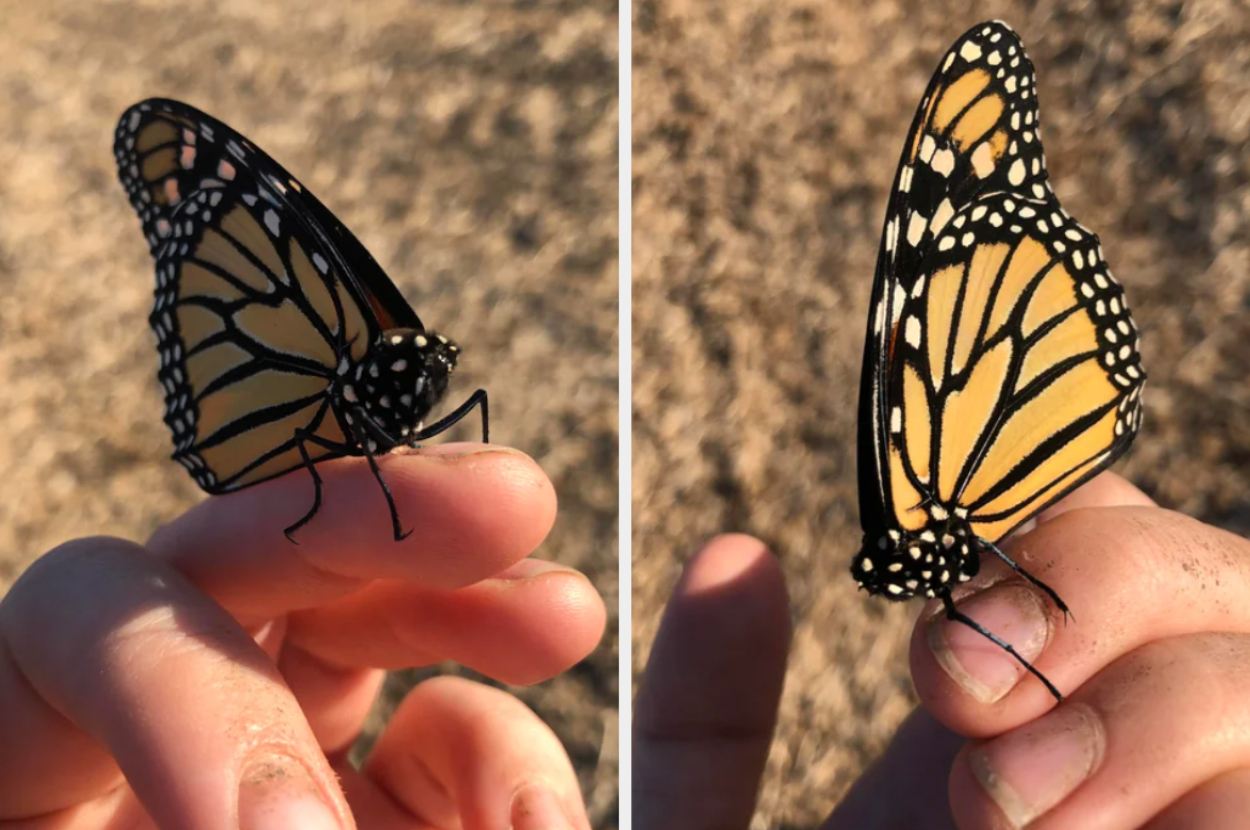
x,y
167,150
990,307
253,315
976,132
160,163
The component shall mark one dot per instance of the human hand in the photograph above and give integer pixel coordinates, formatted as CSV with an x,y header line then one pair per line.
x,y
218,677
1157,722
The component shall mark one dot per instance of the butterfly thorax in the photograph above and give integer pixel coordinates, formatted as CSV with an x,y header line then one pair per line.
x,y
400,379
901,564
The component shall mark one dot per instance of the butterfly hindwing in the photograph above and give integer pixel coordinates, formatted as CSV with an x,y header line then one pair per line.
x,y
1015,373
252,330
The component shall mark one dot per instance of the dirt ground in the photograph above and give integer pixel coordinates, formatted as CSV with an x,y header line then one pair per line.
x,y
471,146
766,134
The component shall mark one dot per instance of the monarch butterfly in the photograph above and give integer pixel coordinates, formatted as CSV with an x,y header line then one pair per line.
x,y
1001,366
282,342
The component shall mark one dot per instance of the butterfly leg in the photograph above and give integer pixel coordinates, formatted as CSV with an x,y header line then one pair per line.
x,y
398,529
301,437
952,613
478,399
1050,592
366,425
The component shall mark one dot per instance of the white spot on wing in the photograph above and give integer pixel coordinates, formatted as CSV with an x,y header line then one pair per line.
x,y
927,148
943,162
904,180
942,215
1016,174
916,228
912,332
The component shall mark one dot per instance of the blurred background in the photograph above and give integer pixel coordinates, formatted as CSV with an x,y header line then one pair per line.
x,y
765,138
471,146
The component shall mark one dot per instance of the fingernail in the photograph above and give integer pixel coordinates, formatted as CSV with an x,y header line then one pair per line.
x,y
1033,768
536,808
276,793
530,568
462,449
1013,612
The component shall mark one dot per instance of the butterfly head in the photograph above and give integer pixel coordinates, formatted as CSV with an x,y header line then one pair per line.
x,y
929,562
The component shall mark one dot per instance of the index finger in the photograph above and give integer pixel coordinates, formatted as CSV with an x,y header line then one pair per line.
x,y
1126,572
474,509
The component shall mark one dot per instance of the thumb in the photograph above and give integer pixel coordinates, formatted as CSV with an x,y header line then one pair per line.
x,y
707,705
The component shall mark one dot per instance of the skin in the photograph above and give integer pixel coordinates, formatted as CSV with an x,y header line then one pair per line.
x,y
1154,731
217,677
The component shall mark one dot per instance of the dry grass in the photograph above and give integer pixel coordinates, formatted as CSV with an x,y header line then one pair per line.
x,y
471,146
765,138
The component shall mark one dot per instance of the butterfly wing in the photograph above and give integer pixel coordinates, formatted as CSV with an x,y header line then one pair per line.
x,y
954,324
167,150
1016,375
257,305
